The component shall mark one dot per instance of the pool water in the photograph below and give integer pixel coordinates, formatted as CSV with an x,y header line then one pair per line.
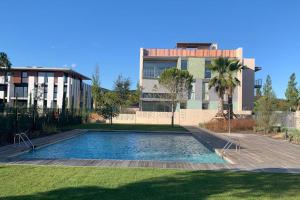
x,y
128,146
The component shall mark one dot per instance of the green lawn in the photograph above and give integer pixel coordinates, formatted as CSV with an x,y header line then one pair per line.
x,y
139,127
50,182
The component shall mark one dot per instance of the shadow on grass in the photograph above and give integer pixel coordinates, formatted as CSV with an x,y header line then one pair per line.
x,y
185,185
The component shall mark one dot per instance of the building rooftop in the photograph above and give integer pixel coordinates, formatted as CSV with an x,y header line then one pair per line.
x,y
196,45
51,69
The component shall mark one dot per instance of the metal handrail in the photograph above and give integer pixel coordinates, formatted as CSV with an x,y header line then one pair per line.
x,y
26,141
228,145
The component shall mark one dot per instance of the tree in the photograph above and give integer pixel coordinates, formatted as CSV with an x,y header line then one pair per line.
x,y
299,99
122,89
266,105
134,97
292,93
5,66
232,82
220,67
257,93
110,107
96,89
178,83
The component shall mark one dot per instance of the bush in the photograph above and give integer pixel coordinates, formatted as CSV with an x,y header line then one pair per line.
x,y
235,124
294,135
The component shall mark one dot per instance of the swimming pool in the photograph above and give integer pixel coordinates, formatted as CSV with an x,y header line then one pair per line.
x,y
128,146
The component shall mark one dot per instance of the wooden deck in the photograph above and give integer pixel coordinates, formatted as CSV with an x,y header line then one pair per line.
x,y
258,153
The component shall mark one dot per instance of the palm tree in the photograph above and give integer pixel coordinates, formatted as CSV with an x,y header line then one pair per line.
x,y
223,80
5,66
232,82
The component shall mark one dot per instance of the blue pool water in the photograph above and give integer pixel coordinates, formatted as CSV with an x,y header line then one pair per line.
x,y
128,146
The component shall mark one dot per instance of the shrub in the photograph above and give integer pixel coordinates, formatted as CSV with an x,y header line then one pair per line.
x,y
294,134
235,124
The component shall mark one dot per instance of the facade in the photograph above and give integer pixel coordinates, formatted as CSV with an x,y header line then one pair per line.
x,y
194,57
45,87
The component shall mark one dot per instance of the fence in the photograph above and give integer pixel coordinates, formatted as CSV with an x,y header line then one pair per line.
x,y
13,120
286,119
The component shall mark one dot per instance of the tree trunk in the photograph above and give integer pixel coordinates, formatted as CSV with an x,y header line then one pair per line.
x,y
172,118
220,108
230,110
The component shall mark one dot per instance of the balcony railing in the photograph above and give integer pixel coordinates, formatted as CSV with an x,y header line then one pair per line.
x,y
258,83
257,68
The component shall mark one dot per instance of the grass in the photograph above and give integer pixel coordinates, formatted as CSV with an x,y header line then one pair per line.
x,y
139,127
58,182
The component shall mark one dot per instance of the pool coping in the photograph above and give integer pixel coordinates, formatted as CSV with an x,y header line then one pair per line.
x,y
10,159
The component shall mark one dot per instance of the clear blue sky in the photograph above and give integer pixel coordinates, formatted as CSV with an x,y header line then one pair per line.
x,y
109,33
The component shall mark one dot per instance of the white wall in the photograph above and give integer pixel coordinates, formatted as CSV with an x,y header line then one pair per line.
x,y
50,90
60,91
31,90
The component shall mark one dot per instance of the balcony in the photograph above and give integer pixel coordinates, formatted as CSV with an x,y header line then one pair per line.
x,y
258,83
190,53
257,68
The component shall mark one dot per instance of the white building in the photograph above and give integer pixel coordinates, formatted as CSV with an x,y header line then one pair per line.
x,y
45,87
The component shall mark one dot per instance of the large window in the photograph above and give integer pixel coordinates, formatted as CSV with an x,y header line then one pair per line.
x,y
207,70
21,91
155,95
183,64
205,91
153,69
156,106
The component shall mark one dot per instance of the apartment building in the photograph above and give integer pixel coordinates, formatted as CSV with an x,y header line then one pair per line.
x,y
47,87
194,57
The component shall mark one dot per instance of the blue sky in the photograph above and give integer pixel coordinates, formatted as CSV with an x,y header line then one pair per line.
x,y
109,33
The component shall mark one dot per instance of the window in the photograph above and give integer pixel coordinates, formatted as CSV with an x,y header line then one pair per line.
x,y
21,91
24,77
207,73
191,95
183,64
45,91
46,77
155,95
153,69
65,89
207,70
205,91
55,92
65,78
45,104
205,106
183,105
54,104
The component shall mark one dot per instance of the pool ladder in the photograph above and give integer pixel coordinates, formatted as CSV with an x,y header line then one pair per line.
x,y
25,139
229,144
